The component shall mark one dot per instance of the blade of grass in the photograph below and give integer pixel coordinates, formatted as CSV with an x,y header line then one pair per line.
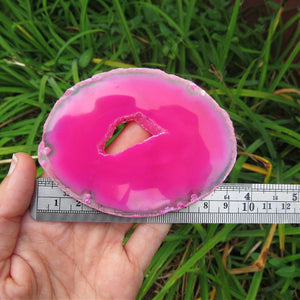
x,y
291,171
259,94
164,254
189,15
242,81
258,126
190,285
288,48
219,237
86,42
224,289
281,233
19,148
127,32
57,90
285,67
234,175
255,285
182,49
33,132
267,49
74,38
224,48
204,286
75,71
196,56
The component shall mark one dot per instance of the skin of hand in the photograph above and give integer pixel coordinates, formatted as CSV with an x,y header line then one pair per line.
x,y
52,260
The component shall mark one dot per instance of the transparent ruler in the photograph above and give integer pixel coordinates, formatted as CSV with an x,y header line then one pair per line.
x,y
229,203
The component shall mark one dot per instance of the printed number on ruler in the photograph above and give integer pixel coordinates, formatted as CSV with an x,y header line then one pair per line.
x,y
241,198
264,203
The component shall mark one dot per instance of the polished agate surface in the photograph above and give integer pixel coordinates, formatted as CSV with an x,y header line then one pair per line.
x,y
191,150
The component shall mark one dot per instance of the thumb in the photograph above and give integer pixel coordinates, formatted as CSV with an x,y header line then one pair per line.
x,y
15,195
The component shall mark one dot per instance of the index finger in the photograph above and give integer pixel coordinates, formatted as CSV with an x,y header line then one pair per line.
x,y
144,242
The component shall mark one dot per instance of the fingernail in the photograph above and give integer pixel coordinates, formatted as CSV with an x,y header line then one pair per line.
x,y
13,164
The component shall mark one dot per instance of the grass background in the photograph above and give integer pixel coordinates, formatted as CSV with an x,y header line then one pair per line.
x,y
250,68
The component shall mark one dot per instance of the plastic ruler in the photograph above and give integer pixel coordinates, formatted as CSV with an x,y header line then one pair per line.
x,y
229,203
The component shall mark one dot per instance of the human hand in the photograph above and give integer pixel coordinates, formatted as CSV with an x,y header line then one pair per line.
x,y
67,260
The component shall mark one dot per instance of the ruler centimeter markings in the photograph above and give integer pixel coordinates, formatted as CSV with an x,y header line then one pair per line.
x,y
229,203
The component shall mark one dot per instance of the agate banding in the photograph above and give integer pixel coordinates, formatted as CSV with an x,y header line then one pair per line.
x,y
190,151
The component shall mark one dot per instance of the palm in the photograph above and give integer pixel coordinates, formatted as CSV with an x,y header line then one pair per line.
x,y
68,260
73,260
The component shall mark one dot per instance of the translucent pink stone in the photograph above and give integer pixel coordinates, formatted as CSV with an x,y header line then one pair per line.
x,y
191,151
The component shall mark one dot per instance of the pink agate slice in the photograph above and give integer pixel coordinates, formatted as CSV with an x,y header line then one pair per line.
x,y
191,151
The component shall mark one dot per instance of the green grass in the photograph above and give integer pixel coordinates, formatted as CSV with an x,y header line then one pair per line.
x,y
48,46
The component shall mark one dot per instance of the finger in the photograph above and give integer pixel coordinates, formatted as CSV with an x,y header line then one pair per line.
x,y
15,195
44,175
144,242
116,232
131,134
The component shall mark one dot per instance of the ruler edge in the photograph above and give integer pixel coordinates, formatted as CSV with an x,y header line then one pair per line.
x,y
33,203
101,217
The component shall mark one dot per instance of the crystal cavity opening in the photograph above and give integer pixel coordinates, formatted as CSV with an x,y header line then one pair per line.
x,y
127,131
133,133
